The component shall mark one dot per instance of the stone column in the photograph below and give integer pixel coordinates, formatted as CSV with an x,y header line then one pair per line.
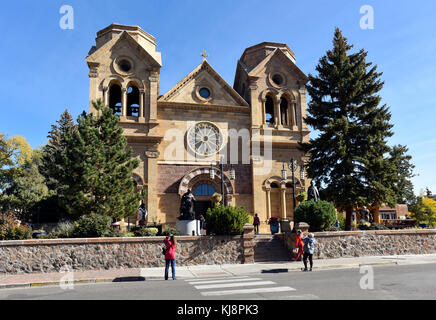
x,y
106,96
151,161
268,203
141,103
283,201
277,115
248,244
153,79
124,102
263,111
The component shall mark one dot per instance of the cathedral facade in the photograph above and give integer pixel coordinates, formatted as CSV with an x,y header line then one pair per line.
x,y
204,135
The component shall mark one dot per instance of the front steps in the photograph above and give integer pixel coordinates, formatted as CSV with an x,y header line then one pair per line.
x,y
269,248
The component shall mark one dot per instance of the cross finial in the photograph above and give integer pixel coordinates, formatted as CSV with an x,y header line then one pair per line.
x,y
204,55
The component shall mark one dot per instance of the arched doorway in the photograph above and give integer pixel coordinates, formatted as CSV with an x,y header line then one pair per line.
x,y
202,193
200,182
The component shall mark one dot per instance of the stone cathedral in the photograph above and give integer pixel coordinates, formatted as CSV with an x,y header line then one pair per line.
x,y
181,137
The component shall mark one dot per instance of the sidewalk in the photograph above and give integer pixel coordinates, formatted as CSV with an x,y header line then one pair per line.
x,y
147,274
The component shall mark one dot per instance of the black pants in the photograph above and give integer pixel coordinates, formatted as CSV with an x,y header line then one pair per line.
x,y
310,256
256,228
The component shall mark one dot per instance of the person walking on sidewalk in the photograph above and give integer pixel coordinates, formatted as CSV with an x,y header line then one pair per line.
x,y
309,249
299,245
170,255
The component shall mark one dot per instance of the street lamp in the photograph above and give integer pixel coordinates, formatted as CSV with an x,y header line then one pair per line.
x,y
212,177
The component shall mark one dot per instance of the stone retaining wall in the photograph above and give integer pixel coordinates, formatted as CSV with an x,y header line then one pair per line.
x,y
370,243
33,256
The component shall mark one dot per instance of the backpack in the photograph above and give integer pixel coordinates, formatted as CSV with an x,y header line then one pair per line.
x,y
306,247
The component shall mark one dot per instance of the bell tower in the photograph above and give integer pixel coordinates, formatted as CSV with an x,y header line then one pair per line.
x,y
268,78
124,72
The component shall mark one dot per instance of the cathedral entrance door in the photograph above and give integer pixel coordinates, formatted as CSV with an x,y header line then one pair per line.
x,y
201,207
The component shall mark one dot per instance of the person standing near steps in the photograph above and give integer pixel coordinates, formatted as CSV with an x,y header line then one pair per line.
x,y
309,249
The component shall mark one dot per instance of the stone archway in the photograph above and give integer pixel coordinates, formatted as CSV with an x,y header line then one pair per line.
x,y
202,175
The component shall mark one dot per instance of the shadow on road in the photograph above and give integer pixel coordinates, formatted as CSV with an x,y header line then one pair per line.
x,y
275,271
129,279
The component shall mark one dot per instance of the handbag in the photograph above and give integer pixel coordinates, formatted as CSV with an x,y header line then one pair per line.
x,y
164,250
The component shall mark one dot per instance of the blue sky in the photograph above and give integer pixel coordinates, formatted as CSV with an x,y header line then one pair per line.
x,y
44,70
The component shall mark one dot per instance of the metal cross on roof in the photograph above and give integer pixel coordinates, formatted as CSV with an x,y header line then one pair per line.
x,y
204,55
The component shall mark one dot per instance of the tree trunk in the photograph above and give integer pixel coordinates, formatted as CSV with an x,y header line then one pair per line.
x,y
349,214
377,213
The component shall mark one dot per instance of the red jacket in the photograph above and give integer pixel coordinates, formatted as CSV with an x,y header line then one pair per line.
x,y
171,250
299,242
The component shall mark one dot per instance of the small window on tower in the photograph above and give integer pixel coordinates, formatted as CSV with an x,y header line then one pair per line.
x,y
205,93
124,65
277,79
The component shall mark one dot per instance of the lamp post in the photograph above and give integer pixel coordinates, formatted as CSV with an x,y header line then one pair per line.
x,y
232,177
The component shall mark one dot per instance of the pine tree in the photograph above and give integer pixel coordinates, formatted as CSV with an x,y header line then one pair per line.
x,y
348,155
100,180
402,174
53,166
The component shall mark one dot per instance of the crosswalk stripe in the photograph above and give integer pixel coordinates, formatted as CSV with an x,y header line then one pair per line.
x,y
215,278
224,281
232,285
247,291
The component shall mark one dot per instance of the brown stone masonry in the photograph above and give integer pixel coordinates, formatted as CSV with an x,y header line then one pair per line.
x,y
370,243
33,256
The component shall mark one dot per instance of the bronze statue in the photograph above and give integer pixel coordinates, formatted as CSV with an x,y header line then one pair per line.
x,y
313,192
187,206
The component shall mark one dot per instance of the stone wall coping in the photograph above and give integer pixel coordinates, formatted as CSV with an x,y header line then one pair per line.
x,y
43,242
374,232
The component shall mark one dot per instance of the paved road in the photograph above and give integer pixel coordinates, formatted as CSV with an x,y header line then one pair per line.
x,y
409,282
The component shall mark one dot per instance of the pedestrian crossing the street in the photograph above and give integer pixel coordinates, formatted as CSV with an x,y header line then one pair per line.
x,y
227,286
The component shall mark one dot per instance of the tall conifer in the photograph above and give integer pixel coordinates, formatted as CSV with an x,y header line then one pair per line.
x,y
347,157
100,180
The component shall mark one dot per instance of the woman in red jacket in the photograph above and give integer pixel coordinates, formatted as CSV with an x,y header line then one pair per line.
x,y
170,255
299,244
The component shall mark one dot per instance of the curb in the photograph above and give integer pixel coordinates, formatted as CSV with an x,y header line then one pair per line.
x,y
154,278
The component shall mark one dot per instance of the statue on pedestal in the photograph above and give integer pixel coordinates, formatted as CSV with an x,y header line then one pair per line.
x,y
187,207
313,192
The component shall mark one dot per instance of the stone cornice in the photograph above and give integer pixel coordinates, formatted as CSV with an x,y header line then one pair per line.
x,y
203,107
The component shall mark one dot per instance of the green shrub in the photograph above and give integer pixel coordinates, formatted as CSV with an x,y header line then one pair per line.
x,y
167,231
64,229
10,229
114,233
223,220
145,232
378,226
319,215
92,226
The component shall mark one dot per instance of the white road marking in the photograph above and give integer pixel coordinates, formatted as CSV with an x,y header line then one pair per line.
x,y
215,278
224,281
247,291
232,285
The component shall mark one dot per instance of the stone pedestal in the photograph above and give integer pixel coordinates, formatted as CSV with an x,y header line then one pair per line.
x,y
188,227
303,226
285,226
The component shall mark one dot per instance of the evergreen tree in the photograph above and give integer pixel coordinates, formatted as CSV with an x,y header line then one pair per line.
x,y
53,166
347,157
402,173
100,178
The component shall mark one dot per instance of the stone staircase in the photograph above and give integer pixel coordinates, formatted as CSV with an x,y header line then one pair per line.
x,y
269,248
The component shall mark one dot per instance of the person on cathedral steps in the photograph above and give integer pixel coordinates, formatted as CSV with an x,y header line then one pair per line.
x,y
170,256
